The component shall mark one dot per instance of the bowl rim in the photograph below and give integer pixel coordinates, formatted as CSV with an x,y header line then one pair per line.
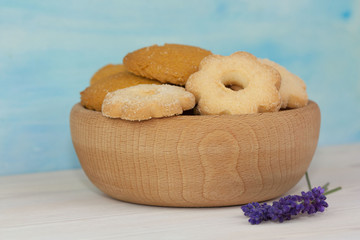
x,y
310,104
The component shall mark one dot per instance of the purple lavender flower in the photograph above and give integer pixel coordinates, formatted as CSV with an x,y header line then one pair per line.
x,y
309,202
285,208
256,212
314,201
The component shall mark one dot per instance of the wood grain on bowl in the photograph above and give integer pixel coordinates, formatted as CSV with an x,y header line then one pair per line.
x,y
196,161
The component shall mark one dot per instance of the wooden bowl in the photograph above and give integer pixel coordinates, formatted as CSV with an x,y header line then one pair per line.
x,y
196,161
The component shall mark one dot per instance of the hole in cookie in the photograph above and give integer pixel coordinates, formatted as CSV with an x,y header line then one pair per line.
x,y
234,87
234,81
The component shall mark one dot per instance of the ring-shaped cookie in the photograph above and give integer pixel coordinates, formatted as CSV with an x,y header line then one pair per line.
x,y
146,101
235,84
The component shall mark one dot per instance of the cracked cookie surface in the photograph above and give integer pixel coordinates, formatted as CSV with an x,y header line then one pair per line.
x,y
170,63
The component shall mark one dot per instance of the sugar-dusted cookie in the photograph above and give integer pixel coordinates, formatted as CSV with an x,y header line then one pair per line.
x,y
147,101
235,84
93,96
292,90
170,63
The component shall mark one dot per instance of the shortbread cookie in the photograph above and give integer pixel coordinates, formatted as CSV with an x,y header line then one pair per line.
x,y
144,102
106,72
93,96
235,84
171,63
292,90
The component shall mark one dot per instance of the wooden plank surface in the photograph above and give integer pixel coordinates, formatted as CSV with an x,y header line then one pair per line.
x,y
65,205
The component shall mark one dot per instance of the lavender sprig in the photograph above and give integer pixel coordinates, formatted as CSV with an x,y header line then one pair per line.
x,y
308,202
287,207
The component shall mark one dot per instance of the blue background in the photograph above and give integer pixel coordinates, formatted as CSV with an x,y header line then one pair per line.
x,y
50,49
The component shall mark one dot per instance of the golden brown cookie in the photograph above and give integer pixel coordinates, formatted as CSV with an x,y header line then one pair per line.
x,y
148,101
292,90
93,96
235,84
171,63
106,72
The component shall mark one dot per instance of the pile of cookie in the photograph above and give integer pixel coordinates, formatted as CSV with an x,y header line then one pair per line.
x,y
162,81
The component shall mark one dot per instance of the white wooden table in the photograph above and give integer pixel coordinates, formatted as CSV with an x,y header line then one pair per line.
x,y
65,205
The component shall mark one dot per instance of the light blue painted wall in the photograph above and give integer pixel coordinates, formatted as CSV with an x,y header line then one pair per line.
x,y
50,49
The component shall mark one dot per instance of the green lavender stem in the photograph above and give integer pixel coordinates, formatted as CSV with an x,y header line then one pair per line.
x,y
308,181
332,190
326,186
